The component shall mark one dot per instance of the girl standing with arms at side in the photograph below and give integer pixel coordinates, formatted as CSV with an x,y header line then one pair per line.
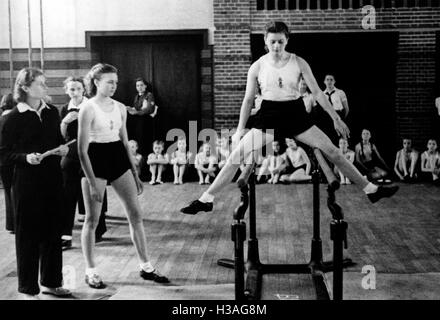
x,y
70,164
106,158
31,129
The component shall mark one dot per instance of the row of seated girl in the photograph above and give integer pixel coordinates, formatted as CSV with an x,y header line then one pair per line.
x,y
408,169
409,166
294,166
206,162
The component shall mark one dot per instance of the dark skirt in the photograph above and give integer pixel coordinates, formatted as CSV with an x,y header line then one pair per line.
x,y
287,118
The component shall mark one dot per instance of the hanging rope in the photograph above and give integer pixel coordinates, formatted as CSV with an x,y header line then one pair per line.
x,y
11,64
42,36
30,34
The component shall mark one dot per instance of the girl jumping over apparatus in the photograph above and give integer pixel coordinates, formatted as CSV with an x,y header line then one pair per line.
x,y
105,157
278,73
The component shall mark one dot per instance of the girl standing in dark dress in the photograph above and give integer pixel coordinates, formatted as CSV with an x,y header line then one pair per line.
x,y
141,117
31,129
7,169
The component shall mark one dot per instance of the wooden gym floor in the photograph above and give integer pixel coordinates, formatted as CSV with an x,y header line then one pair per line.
x,y
397,236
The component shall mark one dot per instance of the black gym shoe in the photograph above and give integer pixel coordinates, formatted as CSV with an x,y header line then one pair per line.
x,y
154,276
382,192
197,206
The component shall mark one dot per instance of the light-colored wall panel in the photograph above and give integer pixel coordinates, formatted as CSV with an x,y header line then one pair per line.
x,y
66,21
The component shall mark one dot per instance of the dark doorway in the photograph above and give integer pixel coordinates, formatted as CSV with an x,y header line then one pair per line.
x,y
364,65
170,63
436,121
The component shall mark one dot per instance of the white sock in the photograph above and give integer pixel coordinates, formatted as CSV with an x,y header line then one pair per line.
x,y
370,188
146,266
91,271
206,197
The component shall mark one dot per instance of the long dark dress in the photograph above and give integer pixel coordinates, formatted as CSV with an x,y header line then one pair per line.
x,y
37,196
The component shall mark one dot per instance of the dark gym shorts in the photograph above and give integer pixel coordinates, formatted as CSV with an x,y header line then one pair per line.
x,y
291,169
109,160
287,118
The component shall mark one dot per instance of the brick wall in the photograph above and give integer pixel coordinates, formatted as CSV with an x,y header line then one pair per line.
x,y
232,57
415,74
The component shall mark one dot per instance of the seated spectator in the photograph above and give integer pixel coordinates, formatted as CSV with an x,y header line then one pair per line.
x,y
406,160
349,155
431,163
223,151
205,163
180,160
437,105
296,164
138,159
157,162
369,161
272,165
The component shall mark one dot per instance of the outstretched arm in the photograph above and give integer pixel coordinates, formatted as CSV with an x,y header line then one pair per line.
x,y
380,158
340,126
124,138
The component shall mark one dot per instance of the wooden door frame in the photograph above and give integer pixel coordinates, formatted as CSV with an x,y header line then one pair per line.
x,y
206,83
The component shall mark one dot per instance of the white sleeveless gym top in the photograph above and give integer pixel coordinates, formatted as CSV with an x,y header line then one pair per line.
x,y
279,84
106,125
295,157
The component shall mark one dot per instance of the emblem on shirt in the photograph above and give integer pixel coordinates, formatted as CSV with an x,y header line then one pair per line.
x,y
280,82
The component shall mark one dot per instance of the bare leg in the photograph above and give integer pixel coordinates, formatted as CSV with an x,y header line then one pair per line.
x,y
314,137
252,141
160,169
182,169
263,169
153,168
414,158
125,188
93,211
176,173
299,176
200,173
